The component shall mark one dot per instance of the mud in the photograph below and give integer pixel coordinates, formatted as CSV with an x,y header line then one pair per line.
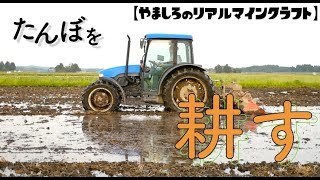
x,y
276,97
45,132
67,100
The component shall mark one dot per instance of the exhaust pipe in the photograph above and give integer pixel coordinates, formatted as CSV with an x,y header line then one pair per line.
x,y
127,60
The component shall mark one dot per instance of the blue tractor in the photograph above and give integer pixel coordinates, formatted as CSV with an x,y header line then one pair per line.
x,y
166,75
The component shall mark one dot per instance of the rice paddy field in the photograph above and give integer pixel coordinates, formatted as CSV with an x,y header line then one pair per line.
x,y
247,80
274,80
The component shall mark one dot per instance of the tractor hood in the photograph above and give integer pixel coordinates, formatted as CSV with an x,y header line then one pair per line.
x,y
115,71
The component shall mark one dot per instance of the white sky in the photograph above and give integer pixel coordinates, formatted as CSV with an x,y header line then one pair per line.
x,y
239,43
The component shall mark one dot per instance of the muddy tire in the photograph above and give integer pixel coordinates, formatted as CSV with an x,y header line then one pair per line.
x,y
182,83
101,96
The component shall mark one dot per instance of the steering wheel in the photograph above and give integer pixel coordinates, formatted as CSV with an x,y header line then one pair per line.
x,y
154,64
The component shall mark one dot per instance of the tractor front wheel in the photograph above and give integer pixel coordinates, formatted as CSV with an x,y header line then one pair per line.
x,y
184,82
100,96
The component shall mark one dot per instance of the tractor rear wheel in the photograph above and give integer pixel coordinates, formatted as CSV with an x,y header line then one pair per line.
x,y
100,96
184,82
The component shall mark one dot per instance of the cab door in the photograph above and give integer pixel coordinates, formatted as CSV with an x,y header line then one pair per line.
x,y
157,60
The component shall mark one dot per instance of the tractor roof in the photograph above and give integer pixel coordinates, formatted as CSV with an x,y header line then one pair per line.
x,y
168,36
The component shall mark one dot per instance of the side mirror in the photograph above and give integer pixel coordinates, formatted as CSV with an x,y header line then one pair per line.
x,y
160,58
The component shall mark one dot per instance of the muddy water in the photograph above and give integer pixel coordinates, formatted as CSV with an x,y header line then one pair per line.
x,y
141,137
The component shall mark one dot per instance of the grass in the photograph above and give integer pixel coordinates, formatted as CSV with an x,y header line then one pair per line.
x,y
247,80
274,80
47,79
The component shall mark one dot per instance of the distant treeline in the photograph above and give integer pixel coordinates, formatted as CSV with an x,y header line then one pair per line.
x,y
265,68
73,67
7,66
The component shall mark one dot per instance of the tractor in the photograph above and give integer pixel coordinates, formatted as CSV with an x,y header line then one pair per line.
x,y
166,75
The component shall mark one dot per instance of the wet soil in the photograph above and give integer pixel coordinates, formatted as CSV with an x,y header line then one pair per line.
x,y
297,96
45,132
131,169
67,100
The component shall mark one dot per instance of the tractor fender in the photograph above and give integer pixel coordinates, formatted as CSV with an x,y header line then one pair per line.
x,y
173,69
116,84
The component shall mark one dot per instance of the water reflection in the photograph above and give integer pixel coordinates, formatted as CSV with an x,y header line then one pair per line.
x,y
143,137
152,137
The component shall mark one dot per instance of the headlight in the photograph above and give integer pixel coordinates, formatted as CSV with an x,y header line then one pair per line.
x,y
100,75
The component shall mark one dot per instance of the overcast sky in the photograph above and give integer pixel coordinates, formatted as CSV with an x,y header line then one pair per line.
x,y
239,43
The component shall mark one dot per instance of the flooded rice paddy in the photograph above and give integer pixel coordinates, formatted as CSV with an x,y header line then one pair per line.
x,y
51,135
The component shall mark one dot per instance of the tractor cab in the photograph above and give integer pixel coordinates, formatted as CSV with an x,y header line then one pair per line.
x,y
162,52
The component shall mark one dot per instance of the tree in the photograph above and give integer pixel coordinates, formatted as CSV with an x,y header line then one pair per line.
x,y
7,66
74,68
218,68
2,66
12,66
59,68
236,70
227,69
304,68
